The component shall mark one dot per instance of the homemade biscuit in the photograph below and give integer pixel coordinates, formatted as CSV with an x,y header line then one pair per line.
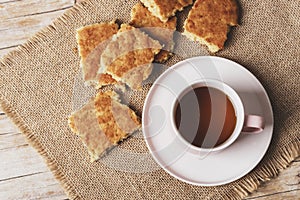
x,y
84,123
103,122
92,40
209,21
141,17
128,56
117,121
163,9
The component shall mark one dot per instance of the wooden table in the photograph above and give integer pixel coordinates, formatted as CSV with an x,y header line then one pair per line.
x,y
23,173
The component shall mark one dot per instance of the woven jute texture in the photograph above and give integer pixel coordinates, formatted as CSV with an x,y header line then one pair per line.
x,y
37,93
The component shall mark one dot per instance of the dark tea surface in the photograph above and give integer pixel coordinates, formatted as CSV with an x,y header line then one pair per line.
x,y
205,117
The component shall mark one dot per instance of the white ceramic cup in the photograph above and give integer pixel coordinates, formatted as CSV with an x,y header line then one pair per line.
x,y
244,122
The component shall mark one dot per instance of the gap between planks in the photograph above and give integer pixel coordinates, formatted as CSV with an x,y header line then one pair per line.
x,y
287,181
287,195
21,20
6,50
8,1
11,10
35,186
23,28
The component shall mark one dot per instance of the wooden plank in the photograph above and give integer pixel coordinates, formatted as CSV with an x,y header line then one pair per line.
x,y
20,29
16,31
8,1
285,186
20,161
11,10
23,173
6,126
288,195
36,186
4,51
12,140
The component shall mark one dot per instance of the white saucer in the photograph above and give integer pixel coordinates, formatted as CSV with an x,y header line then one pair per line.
x,y
181,161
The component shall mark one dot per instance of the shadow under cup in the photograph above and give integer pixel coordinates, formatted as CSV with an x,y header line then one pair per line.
x,y
208,115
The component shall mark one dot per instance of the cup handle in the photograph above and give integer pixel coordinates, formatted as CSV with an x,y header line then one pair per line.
x,y
253,124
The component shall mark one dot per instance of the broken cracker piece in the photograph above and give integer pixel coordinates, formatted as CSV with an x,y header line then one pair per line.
x,y
92,40
163,9
208,22
84,123
129,55
141,17
116,120
102,123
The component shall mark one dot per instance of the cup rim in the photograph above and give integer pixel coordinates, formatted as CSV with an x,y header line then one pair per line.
x,y
237,104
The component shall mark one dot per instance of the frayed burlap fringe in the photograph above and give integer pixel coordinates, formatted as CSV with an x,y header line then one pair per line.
x,y
7,60
33,141
249,184
278,162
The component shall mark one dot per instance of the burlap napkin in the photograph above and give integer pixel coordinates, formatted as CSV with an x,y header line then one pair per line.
x,y
37,86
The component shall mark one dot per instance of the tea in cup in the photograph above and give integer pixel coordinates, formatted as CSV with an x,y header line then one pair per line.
x,y
209,116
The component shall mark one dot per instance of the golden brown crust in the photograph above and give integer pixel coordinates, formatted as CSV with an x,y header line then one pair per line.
x,y
92,40
208,22
105,79
116,120
84,123
90,36
163,9
128,51
141,17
